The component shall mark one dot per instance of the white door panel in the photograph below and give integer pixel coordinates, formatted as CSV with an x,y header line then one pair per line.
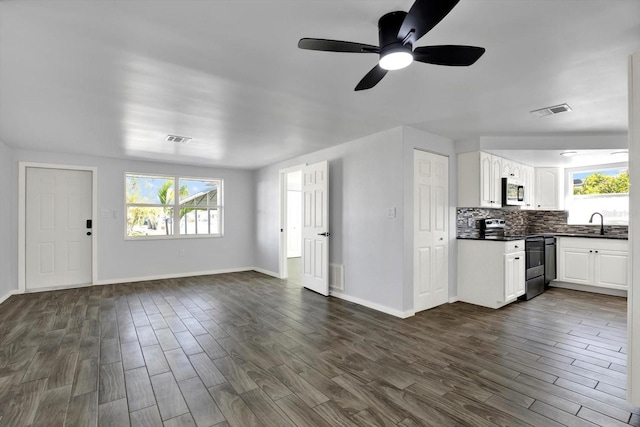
x,y
431,229
315,229
57,247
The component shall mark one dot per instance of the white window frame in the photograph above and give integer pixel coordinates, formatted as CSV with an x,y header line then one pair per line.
x,y
175,223
592,168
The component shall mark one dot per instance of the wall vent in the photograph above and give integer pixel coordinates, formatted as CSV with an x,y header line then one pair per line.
x,y
336,277
178,139
548,111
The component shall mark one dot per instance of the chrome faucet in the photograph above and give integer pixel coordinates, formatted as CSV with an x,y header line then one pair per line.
x,y
601,221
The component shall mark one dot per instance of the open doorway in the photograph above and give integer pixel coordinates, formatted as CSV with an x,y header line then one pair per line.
x,y
293,225
306,219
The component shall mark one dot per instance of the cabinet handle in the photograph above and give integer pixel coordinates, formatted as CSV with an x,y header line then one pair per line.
x,y
590,252
596,251
516,246
517,257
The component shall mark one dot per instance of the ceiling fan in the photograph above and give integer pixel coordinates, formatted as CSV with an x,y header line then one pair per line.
x,y
397,32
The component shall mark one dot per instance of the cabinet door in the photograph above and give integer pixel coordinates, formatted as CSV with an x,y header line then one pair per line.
x,y
516,171
510,276
547,188
611,269
486,183
496,181
529,186
507,169
575,265
520,273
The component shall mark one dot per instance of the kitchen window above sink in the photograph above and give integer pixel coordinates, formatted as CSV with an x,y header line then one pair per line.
x,y
600,188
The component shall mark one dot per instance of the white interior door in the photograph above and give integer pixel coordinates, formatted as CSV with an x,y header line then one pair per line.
x,y
57,246
431,230
315,227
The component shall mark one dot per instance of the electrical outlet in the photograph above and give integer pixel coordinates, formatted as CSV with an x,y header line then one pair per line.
x,y
391,212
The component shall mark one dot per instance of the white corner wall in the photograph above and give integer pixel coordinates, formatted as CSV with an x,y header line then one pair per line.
x,y
8,226
367,177
121,260
633,365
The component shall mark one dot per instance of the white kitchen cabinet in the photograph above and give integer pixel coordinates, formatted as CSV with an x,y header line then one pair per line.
x,y
479,180
548,188
593,262
528,179
491,273
514,275
511,169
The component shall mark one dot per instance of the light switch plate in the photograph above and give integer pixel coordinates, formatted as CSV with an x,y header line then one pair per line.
x,y
391,212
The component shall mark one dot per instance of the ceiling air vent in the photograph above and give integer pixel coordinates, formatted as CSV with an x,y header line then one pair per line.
x,y
178,139
548,111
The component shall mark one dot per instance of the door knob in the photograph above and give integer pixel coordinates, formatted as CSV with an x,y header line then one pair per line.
x,y
324,234
441,238
88,233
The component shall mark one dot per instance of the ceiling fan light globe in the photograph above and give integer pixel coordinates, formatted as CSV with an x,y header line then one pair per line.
x,y
396,60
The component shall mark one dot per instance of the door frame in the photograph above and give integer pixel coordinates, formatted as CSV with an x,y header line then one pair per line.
x,y
283,269
22,211
413,224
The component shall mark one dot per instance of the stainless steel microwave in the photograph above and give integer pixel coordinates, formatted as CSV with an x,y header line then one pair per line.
x,y
512,192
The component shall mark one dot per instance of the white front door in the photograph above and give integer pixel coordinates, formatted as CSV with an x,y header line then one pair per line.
x,y
431,230
57,246
315,227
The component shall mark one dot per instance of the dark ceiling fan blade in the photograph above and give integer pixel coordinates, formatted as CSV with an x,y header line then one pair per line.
x,y
337,46
422,17
448,55
372,78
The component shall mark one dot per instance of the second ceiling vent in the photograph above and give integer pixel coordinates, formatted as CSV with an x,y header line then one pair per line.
x,y
178,139
548,111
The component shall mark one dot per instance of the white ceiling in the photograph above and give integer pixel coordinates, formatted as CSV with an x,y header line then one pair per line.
x,y
113,78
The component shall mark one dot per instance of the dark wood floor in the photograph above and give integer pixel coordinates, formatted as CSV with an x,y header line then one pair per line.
x,y
248,350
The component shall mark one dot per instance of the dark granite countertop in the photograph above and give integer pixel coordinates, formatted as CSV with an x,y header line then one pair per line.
x,y
494,238
511,238
590,236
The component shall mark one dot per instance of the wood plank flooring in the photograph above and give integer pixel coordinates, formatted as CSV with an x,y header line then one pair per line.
x,y
245,349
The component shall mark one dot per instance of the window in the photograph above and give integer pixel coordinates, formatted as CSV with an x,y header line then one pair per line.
x,y
170,206
603,188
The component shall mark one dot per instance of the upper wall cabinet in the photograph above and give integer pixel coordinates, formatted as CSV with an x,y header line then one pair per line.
x,y
528,179
480,179
548,189
511,169
479,183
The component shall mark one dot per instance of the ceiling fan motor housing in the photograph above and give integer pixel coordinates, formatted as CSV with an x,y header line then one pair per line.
x,y
388,29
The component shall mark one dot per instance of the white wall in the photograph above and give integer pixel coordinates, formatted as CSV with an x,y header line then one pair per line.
x,y
8,228
633,366
366,177
124,260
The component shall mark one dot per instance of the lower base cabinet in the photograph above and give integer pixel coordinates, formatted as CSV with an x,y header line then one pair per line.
x,y
593,262
490,273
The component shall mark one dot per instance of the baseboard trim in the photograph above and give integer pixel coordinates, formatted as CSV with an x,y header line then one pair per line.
x,y
587,288
373,305
267,272
174,276
453,299
8,294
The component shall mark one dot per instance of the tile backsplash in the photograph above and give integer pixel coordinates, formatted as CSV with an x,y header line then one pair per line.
x,y
522,222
